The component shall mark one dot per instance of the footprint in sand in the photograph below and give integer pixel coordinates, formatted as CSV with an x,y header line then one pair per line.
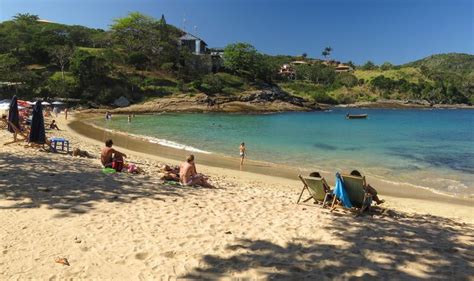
x,y
141,256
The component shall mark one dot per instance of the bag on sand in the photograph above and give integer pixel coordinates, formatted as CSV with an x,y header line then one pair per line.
x,y
117,165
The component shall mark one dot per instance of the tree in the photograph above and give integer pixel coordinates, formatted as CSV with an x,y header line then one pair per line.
x,y
386,66
304,55
27,18
326,52
346,79
351,64
241,59
61,56
89,69
155,39
369,65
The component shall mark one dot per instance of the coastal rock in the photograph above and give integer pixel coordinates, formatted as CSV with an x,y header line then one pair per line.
x,y
267,100
122,102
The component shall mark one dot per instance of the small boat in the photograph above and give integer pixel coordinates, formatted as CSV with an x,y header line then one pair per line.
x,y
356,116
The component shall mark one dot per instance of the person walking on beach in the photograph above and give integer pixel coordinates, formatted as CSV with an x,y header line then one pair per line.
x,y
242,154
65,113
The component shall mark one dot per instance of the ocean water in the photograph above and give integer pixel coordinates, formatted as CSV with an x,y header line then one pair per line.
x,y
427,148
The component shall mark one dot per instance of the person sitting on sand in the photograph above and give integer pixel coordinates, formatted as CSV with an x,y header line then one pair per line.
x,y
109,155
369,189
53,125
188,174
326,186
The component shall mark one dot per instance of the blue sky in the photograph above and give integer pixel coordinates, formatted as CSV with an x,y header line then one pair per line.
x,y
358,30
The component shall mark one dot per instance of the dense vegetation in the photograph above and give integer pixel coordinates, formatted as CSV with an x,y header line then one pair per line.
x,y
442,79
140,58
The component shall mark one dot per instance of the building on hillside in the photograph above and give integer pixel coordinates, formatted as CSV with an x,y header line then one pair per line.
x,y
216,52
195,44
343,68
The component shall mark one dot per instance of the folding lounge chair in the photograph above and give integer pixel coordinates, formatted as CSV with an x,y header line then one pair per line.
x,y
315,187
355,188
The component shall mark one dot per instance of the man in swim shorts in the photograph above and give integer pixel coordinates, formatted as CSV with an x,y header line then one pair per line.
x,y
188,174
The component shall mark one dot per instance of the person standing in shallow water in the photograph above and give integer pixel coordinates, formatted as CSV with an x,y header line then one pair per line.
x,y
242,154
129,118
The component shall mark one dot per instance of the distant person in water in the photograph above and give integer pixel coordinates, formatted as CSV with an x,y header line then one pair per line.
x,y
129,118
110,156
188,174
242,153
53,125
369,189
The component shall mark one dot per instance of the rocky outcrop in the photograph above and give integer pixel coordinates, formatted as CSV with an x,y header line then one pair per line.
x,y
122,102
266,100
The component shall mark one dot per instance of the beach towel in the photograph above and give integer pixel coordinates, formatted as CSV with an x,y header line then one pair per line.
x,y
108,171
340,192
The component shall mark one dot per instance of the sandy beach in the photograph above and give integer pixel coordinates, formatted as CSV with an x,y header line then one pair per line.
x,y
136,227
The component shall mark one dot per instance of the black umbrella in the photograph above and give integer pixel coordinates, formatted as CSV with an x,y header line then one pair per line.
x,y
13,116
37,133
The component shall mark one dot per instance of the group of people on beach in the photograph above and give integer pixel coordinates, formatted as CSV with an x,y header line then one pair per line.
x,y
186,174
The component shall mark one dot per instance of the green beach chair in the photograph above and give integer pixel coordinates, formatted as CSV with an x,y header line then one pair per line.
x,y
315,187
355,188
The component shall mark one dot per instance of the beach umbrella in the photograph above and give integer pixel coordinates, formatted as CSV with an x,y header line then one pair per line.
x,y
13,116
37,132
4,106
45,103
57,103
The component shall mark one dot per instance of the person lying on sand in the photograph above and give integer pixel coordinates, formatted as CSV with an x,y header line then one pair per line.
x,y
80,153
369,189
53,125
188,174
109,156
168,173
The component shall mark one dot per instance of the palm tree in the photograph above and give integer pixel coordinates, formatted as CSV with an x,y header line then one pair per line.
x,y
326,52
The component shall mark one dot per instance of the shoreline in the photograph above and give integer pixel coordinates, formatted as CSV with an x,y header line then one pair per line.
x,y
142,146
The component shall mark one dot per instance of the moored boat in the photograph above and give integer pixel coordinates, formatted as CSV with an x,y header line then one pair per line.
x,y
356,116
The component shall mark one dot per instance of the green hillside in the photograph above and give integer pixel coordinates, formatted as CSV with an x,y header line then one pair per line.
x,y
452,62
140,58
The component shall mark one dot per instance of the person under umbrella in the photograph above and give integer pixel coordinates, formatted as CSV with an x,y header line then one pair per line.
x,y
37,132
13,118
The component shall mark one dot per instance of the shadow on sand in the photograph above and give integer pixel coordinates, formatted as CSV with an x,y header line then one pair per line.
x,y
73,190
387,248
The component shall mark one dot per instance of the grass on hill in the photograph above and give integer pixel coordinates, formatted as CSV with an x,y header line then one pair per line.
x,y
92,51
411,74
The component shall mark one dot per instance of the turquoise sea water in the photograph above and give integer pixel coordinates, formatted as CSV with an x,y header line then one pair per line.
x,y
428,148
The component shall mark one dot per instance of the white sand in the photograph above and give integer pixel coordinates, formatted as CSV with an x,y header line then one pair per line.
x,y
132,227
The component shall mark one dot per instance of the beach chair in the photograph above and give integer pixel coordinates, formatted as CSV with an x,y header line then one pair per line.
x,y
315,187
355,188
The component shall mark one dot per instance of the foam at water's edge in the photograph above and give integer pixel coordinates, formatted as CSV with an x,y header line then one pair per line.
x,y
171,144
162,142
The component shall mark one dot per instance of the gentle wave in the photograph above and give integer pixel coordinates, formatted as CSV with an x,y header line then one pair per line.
x,y
172,144
162,142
